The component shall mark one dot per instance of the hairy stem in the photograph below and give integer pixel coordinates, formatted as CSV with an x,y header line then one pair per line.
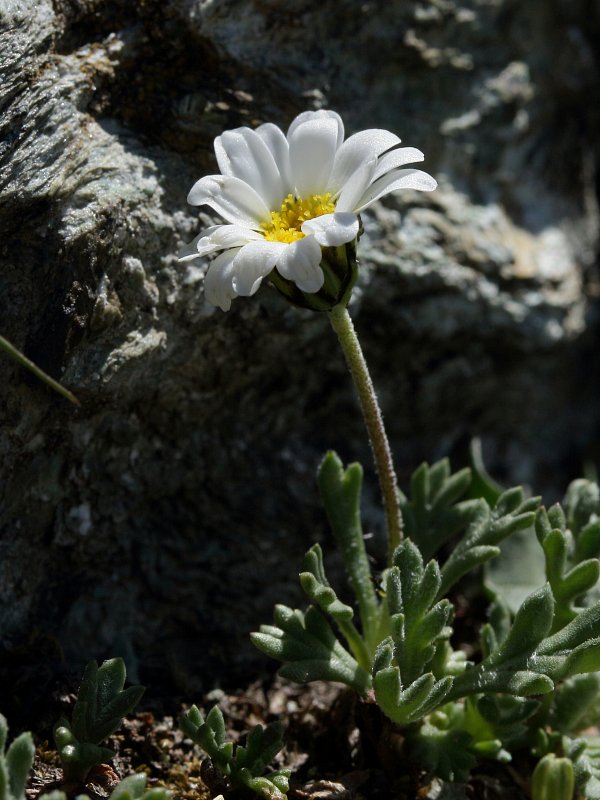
x,y
342,325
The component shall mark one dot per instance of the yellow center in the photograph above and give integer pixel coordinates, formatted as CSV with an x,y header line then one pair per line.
x,y
285,224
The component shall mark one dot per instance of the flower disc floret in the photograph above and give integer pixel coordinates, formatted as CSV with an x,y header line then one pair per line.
x,y
284,197
285,225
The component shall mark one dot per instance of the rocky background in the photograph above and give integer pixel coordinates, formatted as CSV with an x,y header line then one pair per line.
x,y
162,519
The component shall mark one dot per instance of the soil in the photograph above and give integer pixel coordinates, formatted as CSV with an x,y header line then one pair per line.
x,y
338,747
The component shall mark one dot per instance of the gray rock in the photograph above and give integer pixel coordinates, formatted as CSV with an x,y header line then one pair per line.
x,y
163,519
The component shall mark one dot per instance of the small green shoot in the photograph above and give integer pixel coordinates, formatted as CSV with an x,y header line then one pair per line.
x,y
101,704
240,766
15,763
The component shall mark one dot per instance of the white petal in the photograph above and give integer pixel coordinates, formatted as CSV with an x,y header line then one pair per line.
x,y
332,230
230,197
218,287
299,262
215,238
361,147
393,181
323,113
278,145
191,250
226,236
397,158
356,186
243,154
252,263
312,151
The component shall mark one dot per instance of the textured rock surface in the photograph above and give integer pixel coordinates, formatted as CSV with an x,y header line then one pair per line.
x,y
145,523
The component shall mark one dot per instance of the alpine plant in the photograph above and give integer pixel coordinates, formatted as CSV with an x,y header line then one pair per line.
x,y
286,198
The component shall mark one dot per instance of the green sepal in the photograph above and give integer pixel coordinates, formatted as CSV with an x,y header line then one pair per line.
x,y
340,271
309,649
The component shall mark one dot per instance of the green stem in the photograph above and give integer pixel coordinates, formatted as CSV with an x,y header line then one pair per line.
x,y
343,327
356,643
25,362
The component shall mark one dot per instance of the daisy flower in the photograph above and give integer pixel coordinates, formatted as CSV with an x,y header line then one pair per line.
x,y
285,197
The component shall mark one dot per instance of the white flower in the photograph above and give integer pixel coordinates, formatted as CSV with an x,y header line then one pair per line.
x,y
285,197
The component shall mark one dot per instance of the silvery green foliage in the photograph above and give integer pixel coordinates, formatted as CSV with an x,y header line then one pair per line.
x,y
435,514
15,763
456,736
240,766
399,647
406,687
131,788
102,702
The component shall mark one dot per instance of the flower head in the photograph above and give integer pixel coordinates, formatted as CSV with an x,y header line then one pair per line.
x,y
287,198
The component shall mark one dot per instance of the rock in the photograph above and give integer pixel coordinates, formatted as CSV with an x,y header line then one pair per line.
x,y
163,519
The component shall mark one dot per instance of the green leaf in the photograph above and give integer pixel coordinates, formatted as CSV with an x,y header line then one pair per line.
x,y
241,765
19,760
519,569
341,492
487,528
101,705
531,625
482,484
419,625
433,514
314,582
272,787
15,763
443,752
85,707
132,786
572,702
110,678
582,504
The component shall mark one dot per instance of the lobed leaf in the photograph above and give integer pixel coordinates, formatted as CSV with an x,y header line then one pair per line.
x,y
309,649
433,515
241,765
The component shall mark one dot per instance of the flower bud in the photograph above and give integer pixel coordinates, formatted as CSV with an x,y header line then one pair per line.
x,y
553,779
